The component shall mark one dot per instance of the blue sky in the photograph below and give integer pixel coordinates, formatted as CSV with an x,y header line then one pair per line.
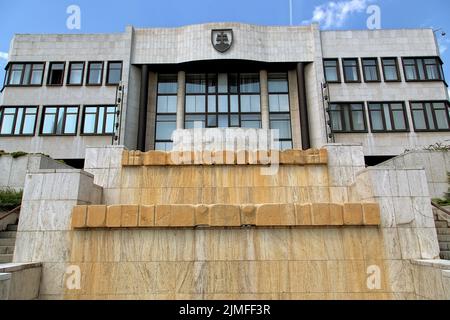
x,y
49,16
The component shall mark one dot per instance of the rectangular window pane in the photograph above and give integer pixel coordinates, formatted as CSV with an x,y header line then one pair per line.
x,y
114,72
212,105
18,121
190,121
223,121
370,67
351,69
28,124
164,130
278,83
282,123
376,117
441,114
56,74
234,103
223,83
100,120
331,70
49,123
76,73
7,124
250,83
36,75
358,117
16,74
167,84
195,83
60,121
212,83
223,104
71,124
89,123
95,73
27,75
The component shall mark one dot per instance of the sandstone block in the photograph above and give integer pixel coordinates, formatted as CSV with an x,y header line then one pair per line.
x,y
353,214
371,213
321,214
336,215
201,215
114,217
174,216
125,158
130,214
248,215
303,214
276,215
155,158
225,216
96,216
79,214
147,216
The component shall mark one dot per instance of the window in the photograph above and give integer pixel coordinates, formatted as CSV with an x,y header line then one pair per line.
x,y
388,117
223,100
370,70
331,68
423,69
279,109
95,74
114,75
18,121
56,74
351,70
347,117
59,121
76,74
431,116
25,74
99,120
166,111
390,69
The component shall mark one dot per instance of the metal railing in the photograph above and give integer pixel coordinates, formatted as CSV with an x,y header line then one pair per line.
x,y
440,208
11,212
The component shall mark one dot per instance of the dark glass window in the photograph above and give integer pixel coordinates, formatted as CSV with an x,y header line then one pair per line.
x,y
18,120
279,109
76,73
25,74
331,68
99,120
114,72
95,73
423,69
430,116
390,69
60,121
56,74
223,100
351,70
370,70
348,117
166,115
386,117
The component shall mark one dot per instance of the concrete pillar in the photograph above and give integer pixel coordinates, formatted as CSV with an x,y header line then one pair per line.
x,y
142,120
181,99
264,100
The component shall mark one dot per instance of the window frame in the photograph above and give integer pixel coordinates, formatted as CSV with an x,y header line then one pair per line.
x,y
377,66
399,77
24,64
103,134
366,130
2,108
155,140
423,102
358,70
217,94
108,70
50,70
54,134
424,69
389,103
338,70
89,73
69,74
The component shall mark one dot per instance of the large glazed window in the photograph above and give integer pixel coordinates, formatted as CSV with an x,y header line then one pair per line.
x,y
60,120
331,68
18,121
423,69
279,109
348,117
351,70
223,100
99,120
76,74
25,74
114,75
390,69
388,117
431,116
166,111
95,74
56,74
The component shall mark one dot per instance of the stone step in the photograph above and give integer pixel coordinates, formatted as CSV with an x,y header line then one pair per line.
x,y
441,224
444,246
443,231
6,258
6,250
7,242
445,255
444,238
12,227
8,234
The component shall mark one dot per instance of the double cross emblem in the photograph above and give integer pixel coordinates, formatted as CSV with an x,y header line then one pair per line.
x,y
222,40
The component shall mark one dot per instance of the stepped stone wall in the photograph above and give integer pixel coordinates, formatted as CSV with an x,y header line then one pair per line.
x,y
227,232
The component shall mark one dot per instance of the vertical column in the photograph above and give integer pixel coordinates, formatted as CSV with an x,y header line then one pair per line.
x,y
304,120
143,100
180,99
264,100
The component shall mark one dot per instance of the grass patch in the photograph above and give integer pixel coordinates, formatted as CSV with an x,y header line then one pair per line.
x,y
10,199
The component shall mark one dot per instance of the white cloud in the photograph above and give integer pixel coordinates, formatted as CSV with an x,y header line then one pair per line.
x,y
335,13
4,55
443,45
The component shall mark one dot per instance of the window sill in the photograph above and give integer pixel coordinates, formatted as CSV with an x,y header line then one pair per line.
x,y
17,135
347,132
57,135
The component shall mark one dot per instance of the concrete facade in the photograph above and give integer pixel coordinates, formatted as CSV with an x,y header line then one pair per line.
x,y
174,50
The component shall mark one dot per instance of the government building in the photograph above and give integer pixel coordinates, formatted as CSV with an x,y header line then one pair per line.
x,y
384,89
226,161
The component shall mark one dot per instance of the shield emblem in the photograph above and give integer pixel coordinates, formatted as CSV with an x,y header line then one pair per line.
x,y
222,40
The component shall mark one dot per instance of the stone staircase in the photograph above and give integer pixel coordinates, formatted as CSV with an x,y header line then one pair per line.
x,y
443,231
7,242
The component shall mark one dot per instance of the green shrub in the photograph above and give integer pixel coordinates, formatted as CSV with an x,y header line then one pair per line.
x,y
10,198
18,154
